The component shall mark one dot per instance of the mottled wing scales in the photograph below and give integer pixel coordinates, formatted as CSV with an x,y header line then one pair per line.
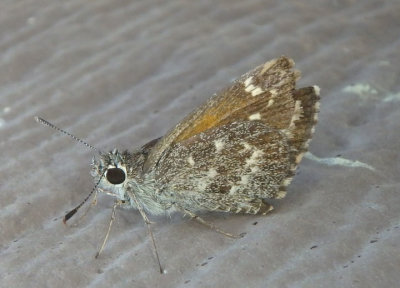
x,y
254,90
242,145
227,168
265,90
305,116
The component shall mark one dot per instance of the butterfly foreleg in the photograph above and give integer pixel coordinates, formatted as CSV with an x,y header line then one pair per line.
x,y
116,203
206,223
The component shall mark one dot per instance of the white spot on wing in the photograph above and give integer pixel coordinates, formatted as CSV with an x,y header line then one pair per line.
x,y
246,145
267,66
280,194
257,91
255,116
190,160
244,180
316,89
250,88
287,133
202,185
299,157
253,160
233,190
287,181
219,145
248,81
212,173
270,102
298,110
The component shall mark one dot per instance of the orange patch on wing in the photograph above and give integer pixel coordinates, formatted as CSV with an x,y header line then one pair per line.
x,y
206,122
216,115
231,104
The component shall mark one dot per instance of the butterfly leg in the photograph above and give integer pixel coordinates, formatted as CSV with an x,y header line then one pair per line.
x,y
147,222
208,224
116,203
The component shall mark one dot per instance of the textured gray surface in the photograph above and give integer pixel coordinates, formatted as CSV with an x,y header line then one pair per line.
x,y
120,73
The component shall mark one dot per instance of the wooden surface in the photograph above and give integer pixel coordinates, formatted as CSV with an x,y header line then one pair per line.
x,y
120,73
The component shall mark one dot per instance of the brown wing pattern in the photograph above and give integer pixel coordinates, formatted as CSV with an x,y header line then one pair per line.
x,y
261,110
237,163
267,90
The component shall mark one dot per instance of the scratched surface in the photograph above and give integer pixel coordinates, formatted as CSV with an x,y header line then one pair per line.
x,y
120,73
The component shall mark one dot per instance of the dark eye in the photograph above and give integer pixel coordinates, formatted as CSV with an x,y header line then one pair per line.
x,y
115,175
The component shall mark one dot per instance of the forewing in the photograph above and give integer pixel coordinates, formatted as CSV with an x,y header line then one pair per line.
x,y
242,160
266,94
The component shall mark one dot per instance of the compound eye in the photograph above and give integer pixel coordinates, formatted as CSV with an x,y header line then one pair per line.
x,y
115,175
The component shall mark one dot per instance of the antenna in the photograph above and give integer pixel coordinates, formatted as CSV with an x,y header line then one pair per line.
x,y
47,123
73,211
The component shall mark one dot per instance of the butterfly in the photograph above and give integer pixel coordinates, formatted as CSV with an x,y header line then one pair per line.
x,y
231,154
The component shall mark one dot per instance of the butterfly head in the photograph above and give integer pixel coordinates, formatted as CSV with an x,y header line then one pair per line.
x,y
114,172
